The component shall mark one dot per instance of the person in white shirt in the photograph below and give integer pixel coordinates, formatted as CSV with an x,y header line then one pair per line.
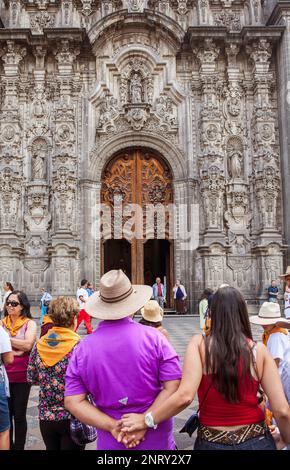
x,y
82,297
6,357
276,338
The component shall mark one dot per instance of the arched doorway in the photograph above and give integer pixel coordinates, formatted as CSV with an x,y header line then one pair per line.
x,y
142,178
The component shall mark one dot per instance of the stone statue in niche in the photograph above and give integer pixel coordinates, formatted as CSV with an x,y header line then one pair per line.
x,y
236,164
38,165
136,89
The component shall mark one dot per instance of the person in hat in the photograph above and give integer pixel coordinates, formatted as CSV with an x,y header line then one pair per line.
x,y
124,366
286,278
152,315
276,339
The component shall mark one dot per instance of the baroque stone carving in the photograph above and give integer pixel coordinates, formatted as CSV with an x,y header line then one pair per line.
x,y
39,157
228,19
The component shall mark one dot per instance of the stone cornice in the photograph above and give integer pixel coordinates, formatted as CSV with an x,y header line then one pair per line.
x,y
282,8
73,34
247,33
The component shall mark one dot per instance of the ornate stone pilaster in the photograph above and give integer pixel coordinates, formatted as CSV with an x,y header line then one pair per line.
x,y
266,160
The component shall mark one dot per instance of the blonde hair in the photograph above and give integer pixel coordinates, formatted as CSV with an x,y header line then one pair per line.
x,y
63,310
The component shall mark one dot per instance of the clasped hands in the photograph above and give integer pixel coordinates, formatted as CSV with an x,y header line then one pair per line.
x,y
130,430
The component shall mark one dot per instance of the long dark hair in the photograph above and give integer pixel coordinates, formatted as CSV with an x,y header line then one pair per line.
x,y
23,300
227,350
8,284
206,293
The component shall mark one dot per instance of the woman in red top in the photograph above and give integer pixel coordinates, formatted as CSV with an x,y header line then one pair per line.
x,y
225,368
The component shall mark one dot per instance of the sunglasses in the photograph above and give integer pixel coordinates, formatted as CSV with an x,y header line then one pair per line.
x,y
12,303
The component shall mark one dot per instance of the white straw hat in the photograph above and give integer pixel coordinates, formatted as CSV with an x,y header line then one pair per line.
x,y
270,314
117,297
286,274
152,311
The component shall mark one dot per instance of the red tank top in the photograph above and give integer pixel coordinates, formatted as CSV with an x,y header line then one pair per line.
x,y
216,411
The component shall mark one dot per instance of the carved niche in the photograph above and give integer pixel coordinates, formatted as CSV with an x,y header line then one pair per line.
x,y
39,151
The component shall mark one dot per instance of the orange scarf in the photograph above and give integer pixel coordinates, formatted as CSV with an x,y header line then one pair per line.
x,y
17,325
56,344
275,329
46,319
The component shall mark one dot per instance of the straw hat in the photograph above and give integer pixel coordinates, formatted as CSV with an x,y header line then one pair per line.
x,y
152,311
269,314
117,297
286,274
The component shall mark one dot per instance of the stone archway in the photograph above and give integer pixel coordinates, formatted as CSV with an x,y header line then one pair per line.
x,y
143,178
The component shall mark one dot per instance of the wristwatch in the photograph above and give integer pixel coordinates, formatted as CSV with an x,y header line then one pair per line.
x,y
149,421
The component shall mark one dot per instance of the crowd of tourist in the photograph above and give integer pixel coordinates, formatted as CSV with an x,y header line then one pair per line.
x,y
243,386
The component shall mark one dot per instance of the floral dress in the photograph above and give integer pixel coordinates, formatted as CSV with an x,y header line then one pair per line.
x,y
52,382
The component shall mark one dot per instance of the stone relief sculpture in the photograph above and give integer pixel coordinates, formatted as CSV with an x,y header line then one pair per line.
x,y
136,89
236,164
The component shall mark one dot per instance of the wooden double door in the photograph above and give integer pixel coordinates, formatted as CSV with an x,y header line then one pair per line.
x,y
141,178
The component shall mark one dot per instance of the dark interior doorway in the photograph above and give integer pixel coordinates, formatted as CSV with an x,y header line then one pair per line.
x,y
157,264
117,255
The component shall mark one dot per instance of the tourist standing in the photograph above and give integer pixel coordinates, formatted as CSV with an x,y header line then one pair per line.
x,y
179,297
22,331
123,365
47,367
44,304
6,357
8,288
225,368
286,278
82,297
203,307
159,292
152,315
273,292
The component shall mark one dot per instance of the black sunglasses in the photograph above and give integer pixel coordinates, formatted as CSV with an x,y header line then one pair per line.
x,y
12,303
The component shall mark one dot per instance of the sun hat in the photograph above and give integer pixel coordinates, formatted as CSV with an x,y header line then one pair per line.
x,y
117,297
152,311
286,274
270,314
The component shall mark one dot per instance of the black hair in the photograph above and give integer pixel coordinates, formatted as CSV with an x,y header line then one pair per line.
x,y
23,300
84,281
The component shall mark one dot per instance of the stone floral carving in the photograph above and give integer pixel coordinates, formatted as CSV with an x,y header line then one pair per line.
x,y
137,117
42,20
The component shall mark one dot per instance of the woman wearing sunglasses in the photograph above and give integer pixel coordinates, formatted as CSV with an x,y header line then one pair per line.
x,y
22,331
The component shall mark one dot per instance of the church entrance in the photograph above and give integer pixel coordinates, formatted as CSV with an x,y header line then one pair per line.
x,y
144,179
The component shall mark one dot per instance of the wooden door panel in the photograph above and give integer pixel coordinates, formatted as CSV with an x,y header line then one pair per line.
x,y
140,178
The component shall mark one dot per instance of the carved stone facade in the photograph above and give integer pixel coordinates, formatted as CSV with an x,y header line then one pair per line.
x,y
195,82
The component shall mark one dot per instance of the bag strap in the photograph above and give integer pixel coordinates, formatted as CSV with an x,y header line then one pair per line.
x,y
204,398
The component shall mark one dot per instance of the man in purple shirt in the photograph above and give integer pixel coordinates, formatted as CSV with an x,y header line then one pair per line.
x,y
126,366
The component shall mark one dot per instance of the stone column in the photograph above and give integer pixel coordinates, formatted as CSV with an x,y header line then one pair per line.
x,y
281,16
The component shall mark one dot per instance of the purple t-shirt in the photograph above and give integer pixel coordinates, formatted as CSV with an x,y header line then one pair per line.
x,y
123,364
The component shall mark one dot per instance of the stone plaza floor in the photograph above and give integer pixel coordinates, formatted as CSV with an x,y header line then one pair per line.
x,y
181,329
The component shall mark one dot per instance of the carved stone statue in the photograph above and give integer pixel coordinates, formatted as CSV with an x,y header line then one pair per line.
x,y
136,89
236,164
38,166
